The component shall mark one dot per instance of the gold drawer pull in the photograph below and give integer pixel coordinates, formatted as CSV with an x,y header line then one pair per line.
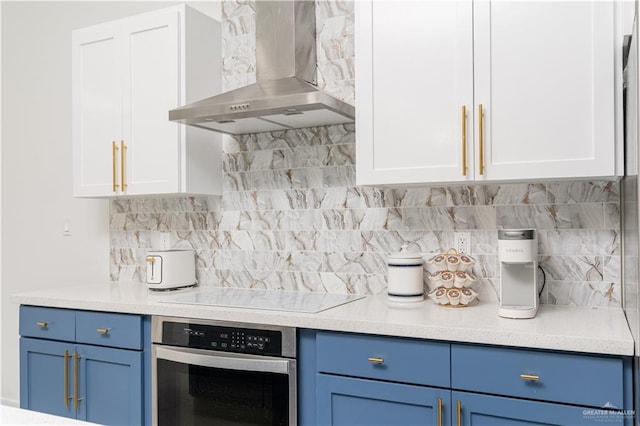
x,y
66,379
103,330
464,140
376,360
76,368
123,180
531,377
42,324
114,153
481,138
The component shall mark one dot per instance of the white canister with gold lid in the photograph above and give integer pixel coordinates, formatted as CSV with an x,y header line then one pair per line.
x,y
404,283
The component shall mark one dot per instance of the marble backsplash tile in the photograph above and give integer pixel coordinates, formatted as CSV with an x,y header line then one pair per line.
x,y
287,228
291,216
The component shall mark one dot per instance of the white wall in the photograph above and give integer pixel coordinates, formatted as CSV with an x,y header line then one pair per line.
x,y
36,165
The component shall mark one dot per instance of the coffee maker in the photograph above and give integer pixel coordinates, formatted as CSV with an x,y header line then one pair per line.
x,y
518,258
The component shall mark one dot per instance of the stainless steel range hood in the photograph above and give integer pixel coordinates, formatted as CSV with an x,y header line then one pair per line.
x,y
284,96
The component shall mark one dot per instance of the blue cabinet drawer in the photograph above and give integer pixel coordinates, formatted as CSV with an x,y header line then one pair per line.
x,y
47,323
385,358
107,329
588,380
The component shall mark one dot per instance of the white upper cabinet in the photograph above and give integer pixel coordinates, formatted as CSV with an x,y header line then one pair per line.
x,y
97,111
127,75
542,73
413,75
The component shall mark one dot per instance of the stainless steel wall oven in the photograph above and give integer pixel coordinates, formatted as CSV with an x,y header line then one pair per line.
x,y
220,373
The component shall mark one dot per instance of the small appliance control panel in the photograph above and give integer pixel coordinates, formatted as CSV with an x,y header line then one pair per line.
x,y
222,338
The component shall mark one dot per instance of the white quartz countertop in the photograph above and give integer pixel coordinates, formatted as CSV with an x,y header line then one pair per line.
x,y
580,329
18,416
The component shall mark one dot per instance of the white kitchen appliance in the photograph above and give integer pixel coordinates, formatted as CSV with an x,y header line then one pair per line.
x,y
168,269
518,258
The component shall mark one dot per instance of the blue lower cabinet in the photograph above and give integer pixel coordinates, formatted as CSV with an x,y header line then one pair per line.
x,y
486,410
488,386
345,401
110,385
81,379
43,384
108,381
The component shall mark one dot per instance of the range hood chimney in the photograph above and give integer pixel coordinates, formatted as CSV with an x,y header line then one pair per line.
x,y
284,96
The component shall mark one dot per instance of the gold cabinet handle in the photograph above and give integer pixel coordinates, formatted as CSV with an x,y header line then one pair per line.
x,y
531,377
459,413
481,138
151,260
123,181
439,411
375,360
114,156
66,379
42,324
464,140
76,367
103,330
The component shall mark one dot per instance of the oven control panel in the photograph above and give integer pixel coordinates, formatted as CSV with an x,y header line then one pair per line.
x,y
222,338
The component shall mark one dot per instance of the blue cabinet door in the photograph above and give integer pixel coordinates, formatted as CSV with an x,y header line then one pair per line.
x,y
110,385
42,376
344,401
486,410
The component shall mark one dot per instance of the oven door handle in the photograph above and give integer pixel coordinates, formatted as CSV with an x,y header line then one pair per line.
x,y
208,359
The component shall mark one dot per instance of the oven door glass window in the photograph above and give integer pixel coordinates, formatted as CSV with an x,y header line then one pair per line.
x,y
195,395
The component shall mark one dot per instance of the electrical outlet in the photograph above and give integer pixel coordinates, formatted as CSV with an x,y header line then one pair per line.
x,y
462,242
165,240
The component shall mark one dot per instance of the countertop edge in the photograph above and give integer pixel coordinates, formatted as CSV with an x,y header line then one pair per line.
x,y
345,319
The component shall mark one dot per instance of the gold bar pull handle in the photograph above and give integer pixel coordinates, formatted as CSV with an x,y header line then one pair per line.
x,y
459,413
114,159
151,260
439,411
42,324
530,377
464,140
66,378
481,138
123,181
76,367
375,360
103,330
